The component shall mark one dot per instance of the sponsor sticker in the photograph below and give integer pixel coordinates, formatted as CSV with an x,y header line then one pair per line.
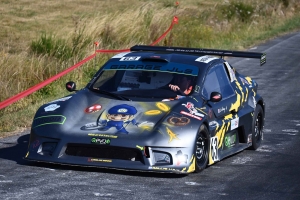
x,y
51,107
94,108
162,168
105,141
205,59
120,55
62,99
249,141
230,140
222,109
190,106
102,135
190,115
98,160
181,158
234,123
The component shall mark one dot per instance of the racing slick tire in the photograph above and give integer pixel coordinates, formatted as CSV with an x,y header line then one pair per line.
x,y
257,127
201,149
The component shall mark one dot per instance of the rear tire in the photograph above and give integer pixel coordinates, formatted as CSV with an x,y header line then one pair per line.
x,y
201,149
257,127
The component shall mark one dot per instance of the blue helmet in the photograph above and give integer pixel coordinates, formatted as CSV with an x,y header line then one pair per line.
x,y
122,109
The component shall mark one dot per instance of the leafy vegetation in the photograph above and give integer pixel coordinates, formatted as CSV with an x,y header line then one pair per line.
x,y
241,11
40,39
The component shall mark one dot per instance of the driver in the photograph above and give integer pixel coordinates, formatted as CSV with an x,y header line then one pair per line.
x,y
181,83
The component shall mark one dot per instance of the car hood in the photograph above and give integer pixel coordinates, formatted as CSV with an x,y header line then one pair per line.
x,y
87,112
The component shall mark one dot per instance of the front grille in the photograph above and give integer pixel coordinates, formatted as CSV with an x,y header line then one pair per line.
x,y
105,152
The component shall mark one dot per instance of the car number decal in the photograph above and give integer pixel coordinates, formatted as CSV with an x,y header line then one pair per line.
x,y
214,148
132,58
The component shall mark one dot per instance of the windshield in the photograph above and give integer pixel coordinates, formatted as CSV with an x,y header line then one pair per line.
x,y
140,79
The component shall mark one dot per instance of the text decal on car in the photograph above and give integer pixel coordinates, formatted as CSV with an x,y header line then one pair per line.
x,y
138,65
105,141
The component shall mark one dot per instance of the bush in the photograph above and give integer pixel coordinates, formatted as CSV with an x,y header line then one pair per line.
x,y
285,3
238,10
51,46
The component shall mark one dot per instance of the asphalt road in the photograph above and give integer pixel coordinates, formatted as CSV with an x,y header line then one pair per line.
x,y
271,172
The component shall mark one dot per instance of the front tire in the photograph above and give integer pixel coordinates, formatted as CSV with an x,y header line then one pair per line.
x,y
257,127
201,149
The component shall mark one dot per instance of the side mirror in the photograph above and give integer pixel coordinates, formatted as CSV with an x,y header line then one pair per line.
x,y
71,86
215,97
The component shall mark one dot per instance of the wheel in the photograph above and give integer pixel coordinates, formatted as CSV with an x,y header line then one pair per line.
x,y
201,149
257,127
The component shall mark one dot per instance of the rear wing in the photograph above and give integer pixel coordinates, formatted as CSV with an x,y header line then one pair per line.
x,y
216,52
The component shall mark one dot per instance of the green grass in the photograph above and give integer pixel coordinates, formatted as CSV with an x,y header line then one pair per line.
x,y
40,38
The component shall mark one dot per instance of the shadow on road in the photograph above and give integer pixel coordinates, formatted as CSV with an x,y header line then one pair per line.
x,y
15,150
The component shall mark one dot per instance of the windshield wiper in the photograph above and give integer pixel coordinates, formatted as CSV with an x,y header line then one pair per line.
x,y
117,96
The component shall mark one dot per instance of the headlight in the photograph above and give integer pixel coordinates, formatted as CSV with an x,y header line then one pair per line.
x,y
47,148
162,158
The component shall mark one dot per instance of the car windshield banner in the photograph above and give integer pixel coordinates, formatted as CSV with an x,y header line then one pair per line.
x,y
153,66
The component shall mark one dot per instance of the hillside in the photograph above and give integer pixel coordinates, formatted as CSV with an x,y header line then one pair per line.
x,y
41,38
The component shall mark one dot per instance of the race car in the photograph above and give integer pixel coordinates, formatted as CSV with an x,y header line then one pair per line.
x,y
133,115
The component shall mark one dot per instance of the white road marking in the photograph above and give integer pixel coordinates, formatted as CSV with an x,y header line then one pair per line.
x,y
192,183
8,181
264,148
290,130
223,194
102,194
50,169
267,130
297,121
240,160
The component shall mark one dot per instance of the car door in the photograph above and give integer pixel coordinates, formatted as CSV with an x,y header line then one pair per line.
x,y
218,79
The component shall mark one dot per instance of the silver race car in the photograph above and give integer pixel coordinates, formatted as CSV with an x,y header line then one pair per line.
x,y
155,108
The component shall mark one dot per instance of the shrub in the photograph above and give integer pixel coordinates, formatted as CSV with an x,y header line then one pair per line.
x,y
238,10
49,45
285,3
